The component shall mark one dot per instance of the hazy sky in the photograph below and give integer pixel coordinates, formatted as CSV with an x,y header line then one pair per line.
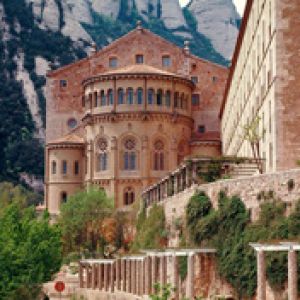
x,y
240,4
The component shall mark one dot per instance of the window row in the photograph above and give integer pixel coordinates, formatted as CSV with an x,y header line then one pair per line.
x,y
130,156
64,167
129,96
140,59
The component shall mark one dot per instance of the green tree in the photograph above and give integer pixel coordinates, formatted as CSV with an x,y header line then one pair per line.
x,y
82,218
30,251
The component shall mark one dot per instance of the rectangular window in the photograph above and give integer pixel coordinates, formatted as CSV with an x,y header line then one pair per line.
x,y
139,59
194,79
76,167
63,83
113,62
201,129
166,61
64,167
195,99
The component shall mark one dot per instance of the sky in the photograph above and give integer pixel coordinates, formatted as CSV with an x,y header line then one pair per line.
x,y
240,5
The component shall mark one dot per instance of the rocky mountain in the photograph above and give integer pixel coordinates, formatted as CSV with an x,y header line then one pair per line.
x,y
38,35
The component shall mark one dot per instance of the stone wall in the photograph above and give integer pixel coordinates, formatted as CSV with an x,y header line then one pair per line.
x,y
248,189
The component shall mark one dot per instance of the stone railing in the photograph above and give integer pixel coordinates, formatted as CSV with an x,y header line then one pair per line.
x,y
138,274
188,174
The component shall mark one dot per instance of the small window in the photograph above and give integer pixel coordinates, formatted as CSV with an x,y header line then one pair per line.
x,y
168,98
159,97
150,96
76,167
130,96
139,95
53,167
166,61
195,99
214,79
63,83
110,96
113,62
194,79
64,197
139,59
72,123
64,167
201,129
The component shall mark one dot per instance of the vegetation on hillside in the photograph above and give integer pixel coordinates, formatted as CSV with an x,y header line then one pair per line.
x,y
30,248
20,150
229,230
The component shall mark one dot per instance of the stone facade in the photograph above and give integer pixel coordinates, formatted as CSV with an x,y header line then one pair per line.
x,y
132,118
263,83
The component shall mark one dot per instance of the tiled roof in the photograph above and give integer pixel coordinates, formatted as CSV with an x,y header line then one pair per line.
x,y
70,138
139,69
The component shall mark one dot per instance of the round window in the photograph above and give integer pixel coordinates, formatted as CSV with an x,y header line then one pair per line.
x,y
72,123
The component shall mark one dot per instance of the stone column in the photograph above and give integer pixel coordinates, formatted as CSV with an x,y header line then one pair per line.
x,y
153,273
190,277
138,277
162,270
261,275
128,276
175,277
133,286
112,277
147,288
292,275
93,276
123,275
100,276
142,277
81,283
105,277
118,274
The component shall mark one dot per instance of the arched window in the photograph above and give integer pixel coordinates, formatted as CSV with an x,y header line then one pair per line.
x,y
130,96
102,158
150,96
159,97
129,196
176,99
159,157
64,167
120,96
63,197
103,98
53,167
182,101
129,154
76,167
168,98
139,96
110,96
95,99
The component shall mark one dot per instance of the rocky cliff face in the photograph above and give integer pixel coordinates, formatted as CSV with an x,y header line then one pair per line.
x,y
218,21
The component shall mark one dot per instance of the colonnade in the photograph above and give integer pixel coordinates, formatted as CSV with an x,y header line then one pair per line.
x,y
138,274
292,249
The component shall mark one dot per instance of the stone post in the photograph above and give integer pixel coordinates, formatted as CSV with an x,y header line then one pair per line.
x,y
142,277
128,276
133,286
93,276
292,275
153,273
105,265
147,289
118,274
162,270
190,276
123,275
175,277
261,275
81,283
112,277
100,276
